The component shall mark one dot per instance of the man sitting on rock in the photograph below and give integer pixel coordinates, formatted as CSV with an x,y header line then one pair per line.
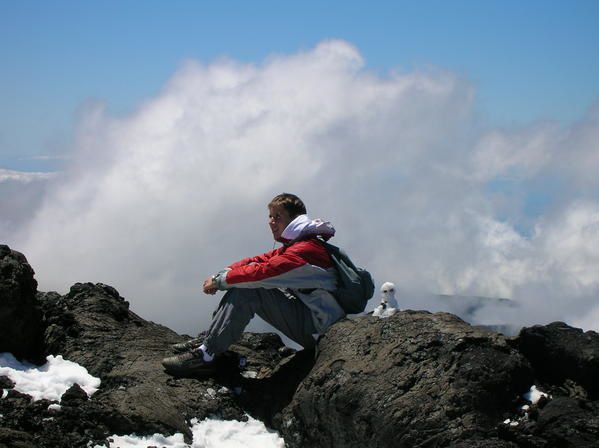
x,y
289,287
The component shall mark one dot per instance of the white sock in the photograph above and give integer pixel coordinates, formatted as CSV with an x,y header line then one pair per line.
x,y
207,356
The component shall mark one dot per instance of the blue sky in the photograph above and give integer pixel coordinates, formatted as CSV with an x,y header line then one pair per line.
x,y
529,60
474,125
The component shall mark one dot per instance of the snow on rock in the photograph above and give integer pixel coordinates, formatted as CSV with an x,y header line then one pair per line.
x,y
234,434
132,441
534,395
209,433
49,381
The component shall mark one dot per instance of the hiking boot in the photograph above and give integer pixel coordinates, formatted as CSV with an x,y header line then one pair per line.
x,y
188,364
186,346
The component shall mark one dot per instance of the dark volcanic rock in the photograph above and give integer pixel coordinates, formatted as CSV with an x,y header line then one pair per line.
x,y
6,383
74,396
10,438
414,379
562,422
559,352
93,326
569,422
75,425
20,318
565,362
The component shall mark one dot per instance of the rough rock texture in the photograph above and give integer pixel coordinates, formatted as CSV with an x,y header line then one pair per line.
x,y
559,352
92,325
558,422
414,379
566,366
20,319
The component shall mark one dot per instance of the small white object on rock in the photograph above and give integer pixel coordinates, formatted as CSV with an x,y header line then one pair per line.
x,y
388,306
211,392
534,395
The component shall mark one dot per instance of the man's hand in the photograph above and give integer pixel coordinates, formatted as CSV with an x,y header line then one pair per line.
x,y
210,286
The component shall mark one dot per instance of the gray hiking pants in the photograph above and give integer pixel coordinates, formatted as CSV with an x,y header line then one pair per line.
x,y
282,310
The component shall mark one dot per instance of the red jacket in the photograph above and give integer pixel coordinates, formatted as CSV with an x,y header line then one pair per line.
x,y
302,266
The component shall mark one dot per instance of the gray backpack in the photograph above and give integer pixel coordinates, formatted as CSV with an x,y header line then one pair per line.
x,y
354,285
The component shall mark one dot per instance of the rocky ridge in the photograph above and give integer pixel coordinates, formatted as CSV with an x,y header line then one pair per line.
x,y
415,379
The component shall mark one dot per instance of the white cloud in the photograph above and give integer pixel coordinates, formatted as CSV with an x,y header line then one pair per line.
x,y
21,194
155,202
517,153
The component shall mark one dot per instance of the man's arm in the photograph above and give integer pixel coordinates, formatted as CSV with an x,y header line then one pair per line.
x,y
301,266
211,284
257,259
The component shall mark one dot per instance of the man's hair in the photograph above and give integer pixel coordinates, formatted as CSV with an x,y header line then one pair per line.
x,y
290,202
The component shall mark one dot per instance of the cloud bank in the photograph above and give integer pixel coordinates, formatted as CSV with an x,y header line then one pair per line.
x,y
421,193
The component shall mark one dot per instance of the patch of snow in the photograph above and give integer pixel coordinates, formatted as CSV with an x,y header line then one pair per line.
x,y
249,374
507,421
49,381
4,393
133,441
234,434
534,395
54,407
208,433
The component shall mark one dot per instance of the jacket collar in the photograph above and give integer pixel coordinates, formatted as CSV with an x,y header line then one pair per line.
x,y
303,227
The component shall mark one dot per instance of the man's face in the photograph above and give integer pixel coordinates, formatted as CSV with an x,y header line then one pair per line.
x,y
278,219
